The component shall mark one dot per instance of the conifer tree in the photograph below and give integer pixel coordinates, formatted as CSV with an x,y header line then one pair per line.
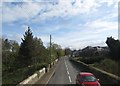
x,y
26,49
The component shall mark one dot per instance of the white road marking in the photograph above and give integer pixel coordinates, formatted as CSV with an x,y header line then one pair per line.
x,y
69,78
68,72
65,62
67,68
50,77
66,65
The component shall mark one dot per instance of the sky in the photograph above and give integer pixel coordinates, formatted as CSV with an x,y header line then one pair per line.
x,y
72,23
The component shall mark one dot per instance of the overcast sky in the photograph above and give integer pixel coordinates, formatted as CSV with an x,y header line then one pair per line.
x,y
72,23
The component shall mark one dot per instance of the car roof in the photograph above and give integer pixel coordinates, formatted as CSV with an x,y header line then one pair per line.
x,y
85,74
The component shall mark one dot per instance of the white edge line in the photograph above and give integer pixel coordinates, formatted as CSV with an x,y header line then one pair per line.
x,y
50,77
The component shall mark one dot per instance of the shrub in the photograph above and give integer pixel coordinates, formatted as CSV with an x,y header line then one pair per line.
x,y
91,60
109,66
20,74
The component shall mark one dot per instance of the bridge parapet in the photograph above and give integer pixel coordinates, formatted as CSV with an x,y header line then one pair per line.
x,y
36,76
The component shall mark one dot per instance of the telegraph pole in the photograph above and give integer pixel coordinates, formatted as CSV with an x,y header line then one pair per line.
x,y
50,49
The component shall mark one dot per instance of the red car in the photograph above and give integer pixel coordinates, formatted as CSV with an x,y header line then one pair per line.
x,y
87,79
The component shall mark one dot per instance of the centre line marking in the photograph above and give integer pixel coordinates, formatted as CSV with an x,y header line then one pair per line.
x,y
66,65
69,78
68,72
67,68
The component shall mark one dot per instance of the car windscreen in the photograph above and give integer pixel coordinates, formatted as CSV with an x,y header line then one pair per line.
x,y
88,79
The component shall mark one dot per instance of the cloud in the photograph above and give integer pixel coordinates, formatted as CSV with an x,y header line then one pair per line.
x,y
65,9
79,41
92,28
36,11
17,0
46,9
16,37
93,33
102,25
16,11
24,27
109,2
76,39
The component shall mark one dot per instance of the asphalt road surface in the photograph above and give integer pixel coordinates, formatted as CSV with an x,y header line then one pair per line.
x,y
65,72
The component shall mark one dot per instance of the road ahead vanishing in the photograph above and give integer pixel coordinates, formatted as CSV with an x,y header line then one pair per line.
x,y
65,72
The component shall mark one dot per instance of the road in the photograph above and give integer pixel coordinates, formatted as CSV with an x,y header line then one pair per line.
x,y
65,72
